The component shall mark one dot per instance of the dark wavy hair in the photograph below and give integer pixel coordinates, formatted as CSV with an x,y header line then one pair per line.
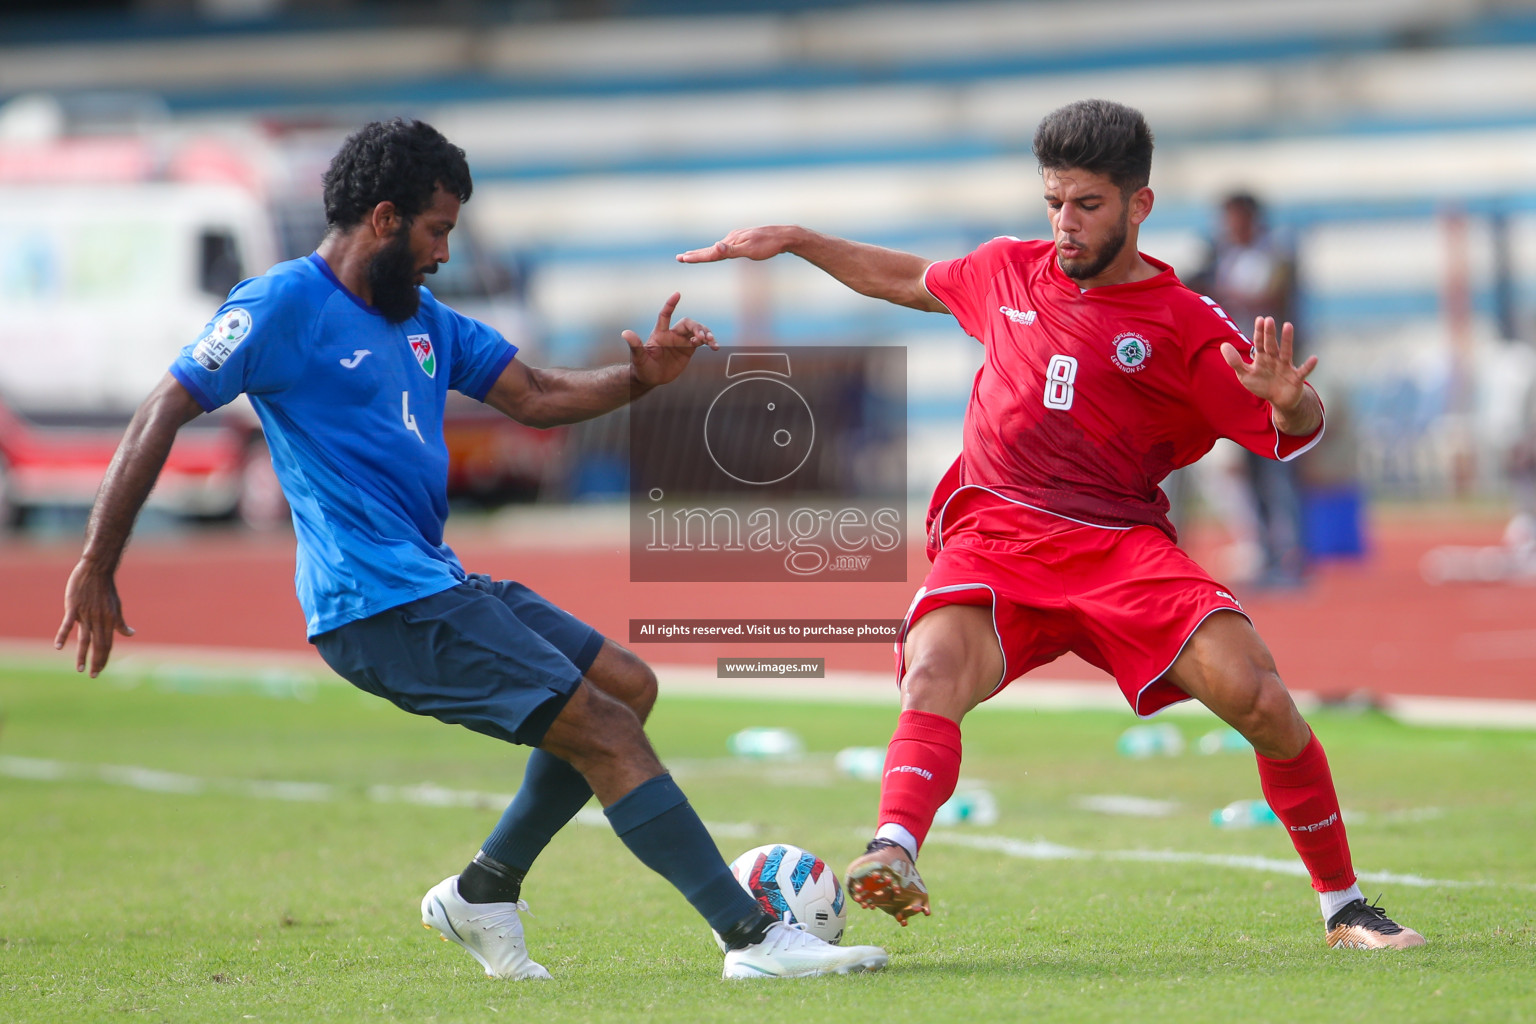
x,y
396,161
1098,136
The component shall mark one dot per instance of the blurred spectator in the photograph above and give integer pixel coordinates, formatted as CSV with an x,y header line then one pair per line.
x,y
1251,272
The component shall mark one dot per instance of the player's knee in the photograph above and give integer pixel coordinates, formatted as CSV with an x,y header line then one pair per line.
x,y
1266,715
633,683
642,689
594,727
952,661
623,675
942,685
1247,702
922,676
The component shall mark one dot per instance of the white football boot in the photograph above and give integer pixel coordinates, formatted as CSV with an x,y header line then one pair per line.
x,y
491,932
789,951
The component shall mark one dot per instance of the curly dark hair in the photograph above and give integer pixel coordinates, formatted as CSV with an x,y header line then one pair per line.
x,y
1098,136
396,161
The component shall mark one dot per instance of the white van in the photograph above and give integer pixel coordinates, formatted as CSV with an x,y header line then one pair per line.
x,y
109,263
101,285
114,251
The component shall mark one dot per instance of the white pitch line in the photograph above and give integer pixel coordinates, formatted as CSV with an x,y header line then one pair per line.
x,y
1041,850
426,794
1135,806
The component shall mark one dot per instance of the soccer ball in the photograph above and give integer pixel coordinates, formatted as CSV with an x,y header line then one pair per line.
x,y
795,886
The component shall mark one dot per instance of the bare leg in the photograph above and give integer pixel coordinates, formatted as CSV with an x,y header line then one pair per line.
x,y
601,737
620,674
952,661
1227,667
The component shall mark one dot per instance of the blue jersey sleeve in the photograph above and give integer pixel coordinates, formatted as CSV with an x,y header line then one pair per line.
x,y
480,353
254,344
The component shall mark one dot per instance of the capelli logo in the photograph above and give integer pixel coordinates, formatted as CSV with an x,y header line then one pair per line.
x,y
1332,819
1025,318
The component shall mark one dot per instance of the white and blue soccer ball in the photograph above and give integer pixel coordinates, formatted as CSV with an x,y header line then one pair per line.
x,y
795,886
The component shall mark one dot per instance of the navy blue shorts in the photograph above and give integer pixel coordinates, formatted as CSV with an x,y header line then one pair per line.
x,y
489,655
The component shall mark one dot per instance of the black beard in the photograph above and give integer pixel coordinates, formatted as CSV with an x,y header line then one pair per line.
x,y
1111,249
392,280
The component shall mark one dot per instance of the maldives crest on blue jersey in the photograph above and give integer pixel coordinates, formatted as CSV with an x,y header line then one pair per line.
x,y
421,348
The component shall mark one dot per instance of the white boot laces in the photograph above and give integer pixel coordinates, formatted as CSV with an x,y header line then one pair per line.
x,y
502,918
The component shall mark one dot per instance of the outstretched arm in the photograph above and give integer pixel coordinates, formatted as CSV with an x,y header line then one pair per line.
x,y
90,596
550,397
1296,409
867,269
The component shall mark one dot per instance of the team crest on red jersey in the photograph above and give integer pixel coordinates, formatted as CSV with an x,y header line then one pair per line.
x,y
1132,352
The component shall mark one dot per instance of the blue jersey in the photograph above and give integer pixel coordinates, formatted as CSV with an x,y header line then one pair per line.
x,y
352,407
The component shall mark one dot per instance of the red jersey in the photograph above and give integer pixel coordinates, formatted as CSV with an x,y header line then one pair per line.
x,y
1086,400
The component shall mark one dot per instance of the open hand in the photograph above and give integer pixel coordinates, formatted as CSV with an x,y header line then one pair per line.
x,y
665,354
91,601
743,243
1270,375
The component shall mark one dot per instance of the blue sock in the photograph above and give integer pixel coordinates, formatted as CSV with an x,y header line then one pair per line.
x,y
657,824
551,794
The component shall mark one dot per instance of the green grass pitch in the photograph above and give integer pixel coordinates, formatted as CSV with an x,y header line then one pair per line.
x,y
193,892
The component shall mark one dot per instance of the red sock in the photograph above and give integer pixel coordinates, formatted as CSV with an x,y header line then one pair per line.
x,y
922,765
1300,792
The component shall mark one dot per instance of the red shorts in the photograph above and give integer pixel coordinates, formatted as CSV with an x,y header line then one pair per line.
x,y
1125,600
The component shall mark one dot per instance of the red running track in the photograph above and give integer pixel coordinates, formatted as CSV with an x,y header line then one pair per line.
x,y
1369,625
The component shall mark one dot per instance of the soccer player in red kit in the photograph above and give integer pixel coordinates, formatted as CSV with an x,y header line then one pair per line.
x,y
1049,534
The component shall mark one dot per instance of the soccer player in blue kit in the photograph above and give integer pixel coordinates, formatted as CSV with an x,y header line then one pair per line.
x,y
347,360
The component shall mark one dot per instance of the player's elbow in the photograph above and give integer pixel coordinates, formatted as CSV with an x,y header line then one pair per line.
x,y
169,407
914,294
544,412
528,402
515,408
927,303
530,414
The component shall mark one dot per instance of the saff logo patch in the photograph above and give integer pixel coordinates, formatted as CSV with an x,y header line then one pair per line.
x,y
222,337
421,348
1132,352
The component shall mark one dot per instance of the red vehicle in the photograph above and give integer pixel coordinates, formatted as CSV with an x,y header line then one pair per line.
x,y
217,468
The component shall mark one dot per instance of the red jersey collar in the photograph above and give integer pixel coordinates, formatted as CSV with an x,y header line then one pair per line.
x,y
1164,276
